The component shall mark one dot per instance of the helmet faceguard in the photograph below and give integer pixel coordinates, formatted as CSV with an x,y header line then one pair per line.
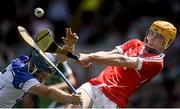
x,y
41,64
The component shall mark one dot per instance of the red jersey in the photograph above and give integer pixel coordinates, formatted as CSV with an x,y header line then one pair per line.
x,y
118,83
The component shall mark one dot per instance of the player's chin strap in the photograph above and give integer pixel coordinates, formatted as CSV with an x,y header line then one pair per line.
x,y
34,69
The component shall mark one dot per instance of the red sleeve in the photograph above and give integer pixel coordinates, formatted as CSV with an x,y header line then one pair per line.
x,y
151,68
129,44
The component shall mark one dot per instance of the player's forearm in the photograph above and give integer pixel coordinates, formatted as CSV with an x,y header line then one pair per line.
x,y
114,59
107,58
59,95
52,93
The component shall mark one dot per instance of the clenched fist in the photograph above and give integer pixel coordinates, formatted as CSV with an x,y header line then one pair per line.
x,y
76,99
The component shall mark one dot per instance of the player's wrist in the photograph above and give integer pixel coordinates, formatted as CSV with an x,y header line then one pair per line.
x,y
91,56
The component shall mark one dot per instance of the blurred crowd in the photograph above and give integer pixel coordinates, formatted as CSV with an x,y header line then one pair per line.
x,y
100,25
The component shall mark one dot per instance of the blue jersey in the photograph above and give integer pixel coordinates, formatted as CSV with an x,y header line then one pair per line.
x,y
15,80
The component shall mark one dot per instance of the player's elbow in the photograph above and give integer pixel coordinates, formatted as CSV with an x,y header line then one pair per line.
x,y
53,94
72,80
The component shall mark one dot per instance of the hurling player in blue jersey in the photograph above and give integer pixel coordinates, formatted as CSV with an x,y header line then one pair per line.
x,y
25,74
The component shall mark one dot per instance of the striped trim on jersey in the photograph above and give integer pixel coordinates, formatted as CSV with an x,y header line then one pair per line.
x,y
157,58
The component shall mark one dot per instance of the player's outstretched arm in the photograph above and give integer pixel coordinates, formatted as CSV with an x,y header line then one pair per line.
x,y
108,58
55,94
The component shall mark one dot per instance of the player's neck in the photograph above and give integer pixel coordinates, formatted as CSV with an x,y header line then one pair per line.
x,y
151,50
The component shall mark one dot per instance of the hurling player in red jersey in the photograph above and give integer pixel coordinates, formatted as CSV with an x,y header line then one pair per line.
x,y
129,66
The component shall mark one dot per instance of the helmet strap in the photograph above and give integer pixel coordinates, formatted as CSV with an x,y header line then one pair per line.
x,y
32,68
35,70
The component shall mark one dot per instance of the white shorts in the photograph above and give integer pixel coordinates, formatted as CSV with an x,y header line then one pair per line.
x,y
99,99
